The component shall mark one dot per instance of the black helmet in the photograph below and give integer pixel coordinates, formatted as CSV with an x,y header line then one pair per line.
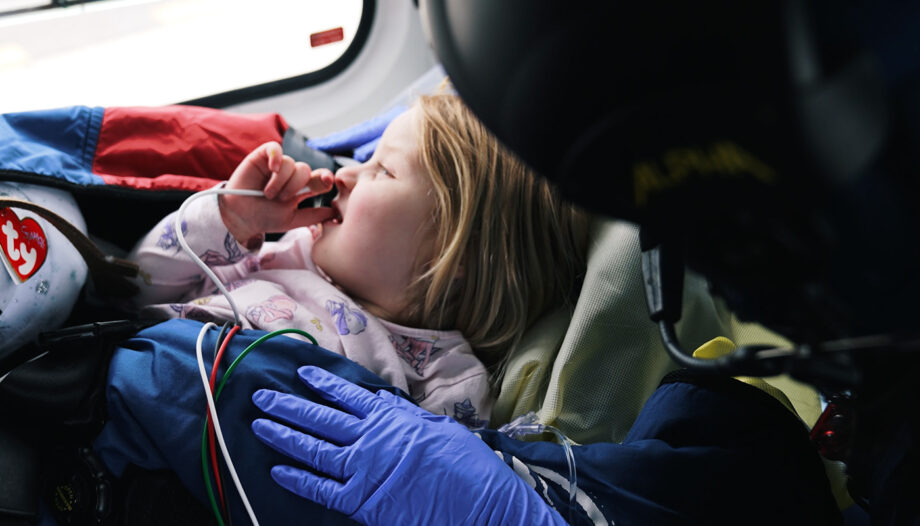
x,y
772,141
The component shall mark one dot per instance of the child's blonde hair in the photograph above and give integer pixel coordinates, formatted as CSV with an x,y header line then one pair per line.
x,y
507,246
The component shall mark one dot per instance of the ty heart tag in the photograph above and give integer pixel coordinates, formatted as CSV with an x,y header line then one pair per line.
x,y
23,245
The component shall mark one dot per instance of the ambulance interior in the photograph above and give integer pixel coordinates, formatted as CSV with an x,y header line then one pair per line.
x,y
585,370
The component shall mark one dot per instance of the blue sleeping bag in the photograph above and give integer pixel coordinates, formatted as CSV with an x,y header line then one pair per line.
x,y
704,450
156,407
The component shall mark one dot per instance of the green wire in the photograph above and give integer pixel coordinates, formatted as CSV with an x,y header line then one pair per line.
x,y
220,387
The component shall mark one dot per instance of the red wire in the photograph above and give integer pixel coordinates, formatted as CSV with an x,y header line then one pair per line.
x,y
211,437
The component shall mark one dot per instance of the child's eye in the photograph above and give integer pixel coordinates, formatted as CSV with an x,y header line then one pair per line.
x,y
381,170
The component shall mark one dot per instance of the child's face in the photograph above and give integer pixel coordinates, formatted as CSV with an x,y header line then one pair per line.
x,y
383,222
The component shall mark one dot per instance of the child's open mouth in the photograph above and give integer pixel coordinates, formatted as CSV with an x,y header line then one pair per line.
x,y
336,215
317,229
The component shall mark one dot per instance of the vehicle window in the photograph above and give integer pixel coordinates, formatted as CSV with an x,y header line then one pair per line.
x,y
149,52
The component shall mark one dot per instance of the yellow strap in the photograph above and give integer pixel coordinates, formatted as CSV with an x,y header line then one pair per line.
x,y
720,346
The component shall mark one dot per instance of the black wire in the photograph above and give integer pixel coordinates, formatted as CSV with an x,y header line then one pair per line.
x,y
683,358
746,360
64,339
220,338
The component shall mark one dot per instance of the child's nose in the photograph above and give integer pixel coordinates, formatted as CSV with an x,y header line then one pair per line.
x,y
345,177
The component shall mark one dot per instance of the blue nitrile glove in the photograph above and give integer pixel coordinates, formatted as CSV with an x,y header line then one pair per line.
x,y
359,140
382,460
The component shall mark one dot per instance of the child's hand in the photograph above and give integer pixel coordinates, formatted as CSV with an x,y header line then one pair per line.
x,y
281,178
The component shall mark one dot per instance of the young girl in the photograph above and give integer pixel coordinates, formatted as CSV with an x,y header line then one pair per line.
x,y
435,256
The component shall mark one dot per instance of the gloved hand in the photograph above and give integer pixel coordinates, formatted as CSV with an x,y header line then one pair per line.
x,y
359,140
382,460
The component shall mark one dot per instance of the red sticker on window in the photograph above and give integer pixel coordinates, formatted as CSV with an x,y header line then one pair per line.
x,y
327,37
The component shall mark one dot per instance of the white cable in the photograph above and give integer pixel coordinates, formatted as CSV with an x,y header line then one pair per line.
x,y
177,225
212,410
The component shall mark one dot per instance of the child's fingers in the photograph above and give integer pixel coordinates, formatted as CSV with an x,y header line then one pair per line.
x,y
306,183
326,179
319,181
310,216
256,167
297,180
274,155
280,177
